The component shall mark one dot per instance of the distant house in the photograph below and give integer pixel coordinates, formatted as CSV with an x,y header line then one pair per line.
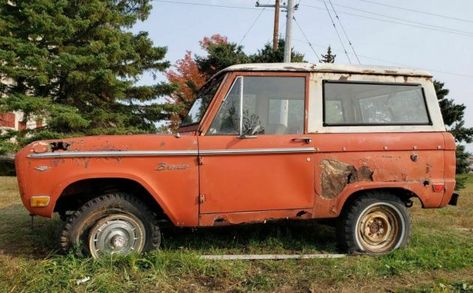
x,y
15,120
470,160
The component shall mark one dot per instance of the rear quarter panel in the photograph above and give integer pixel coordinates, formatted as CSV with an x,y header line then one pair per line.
x,y
347,164
381,156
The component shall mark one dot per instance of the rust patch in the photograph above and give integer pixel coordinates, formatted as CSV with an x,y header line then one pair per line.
x,y
336,175
59,146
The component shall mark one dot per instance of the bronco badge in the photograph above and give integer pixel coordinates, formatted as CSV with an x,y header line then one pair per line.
x,y
168,167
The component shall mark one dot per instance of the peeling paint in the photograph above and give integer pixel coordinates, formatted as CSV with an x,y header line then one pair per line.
x,y
327,67
59,146
336,175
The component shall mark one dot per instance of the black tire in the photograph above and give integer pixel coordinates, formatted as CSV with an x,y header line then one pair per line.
x,y
377,222
124,214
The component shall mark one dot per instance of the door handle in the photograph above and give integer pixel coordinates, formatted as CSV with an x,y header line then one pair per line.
x,y
245,136
305,139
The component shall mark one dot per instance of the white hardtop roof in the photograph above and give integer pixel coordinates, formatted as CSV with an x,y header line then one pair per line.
x,y
328,68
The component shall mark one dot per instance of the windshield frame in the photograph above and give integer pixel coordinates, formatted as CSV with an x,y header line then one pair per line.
x,y
216,80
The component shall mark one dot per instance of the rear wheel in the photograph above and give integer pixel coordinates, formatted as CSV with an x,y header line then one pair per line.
x,y
375,223
112,224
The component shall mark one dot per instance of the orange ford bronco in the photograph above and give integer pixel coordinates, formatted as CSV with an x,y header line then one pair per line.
x,y
261,142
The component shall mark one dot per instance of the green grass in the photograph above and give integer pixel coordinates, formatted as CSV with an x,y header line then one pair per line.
x,y
438,259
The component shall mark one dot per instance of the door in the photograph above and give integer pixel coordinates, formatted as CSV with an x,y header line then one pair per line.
x,y
255,155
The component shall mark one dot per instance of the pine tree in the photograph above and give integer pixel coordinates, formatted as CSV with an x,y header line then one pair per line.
x,y
220,55
76,63
268,55
329,57
453,117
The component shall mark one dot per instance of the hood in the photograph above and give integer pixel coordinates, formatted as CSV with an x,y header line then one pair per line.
x,y
114,143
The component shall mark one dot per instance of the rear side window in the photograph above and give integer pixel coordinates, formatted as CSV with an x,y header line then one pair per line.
x,y
358,104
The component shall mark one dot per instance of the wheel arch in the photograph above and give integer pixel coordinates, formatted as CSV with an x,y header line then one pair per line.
x,y
404,194
72,194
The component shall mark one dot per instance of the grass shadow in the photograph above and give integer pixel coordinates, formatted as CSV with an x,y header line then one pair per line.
x,y
20,237
271,237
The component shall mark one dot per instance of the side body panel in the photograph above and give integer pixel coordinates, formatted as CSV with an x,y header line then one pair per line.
x,y
247,181
171,177
202,180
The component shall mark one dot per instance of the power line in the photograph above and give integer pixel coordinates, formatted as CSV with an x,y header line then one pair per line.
x,y
277,10
205,4
406,20
336,30
251,26
339,50
396,20
419,11
344,32
307,39
402,22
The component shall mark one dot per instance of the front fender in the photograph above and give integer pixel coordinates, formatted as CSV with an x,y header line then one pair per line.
x,y
175,190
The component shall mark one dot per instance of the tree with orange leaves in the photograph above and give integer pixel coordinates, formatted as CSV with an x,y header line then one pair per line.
x,y
215,39
188,80
187,75
190,74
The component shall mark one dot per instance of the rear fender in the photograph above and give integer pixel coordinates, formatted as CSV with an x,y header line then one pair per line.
x,y
330,208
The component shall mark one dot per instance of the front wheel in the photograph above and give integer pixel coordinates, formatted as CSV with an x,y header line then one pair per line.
x,y
112,224
375,223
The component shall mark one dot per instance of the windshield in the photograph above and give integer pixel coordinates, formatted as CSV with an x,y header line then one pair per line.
x,y
202,102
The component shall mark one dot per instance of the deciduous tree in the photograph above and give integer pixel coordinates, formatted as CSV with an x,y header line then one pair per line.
x,y
188,80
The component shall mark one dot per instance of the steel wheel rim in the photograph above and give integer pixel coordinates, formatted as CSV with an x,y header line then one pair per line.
x,y
117,234
380,228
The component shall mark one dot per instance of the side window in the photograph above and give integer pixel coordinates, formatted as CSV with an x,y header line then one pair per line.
x,y
349,103
259,105
227,120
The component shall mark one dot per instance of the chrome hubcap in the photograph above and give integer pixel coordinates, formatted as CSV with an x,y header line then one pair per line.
x,y
117,234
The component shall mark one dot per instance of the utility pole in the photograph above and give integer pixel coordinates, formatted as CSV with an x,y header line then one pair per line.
x,y
277,9
287,45
290,8
276,25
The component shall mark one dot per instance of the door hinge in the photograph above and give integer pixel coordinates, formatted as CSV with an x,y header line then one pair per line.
x,y
201,198
201,160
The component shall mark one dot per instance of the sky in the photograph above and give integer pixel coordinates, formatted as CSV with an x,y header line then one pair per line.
x,y
435,35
